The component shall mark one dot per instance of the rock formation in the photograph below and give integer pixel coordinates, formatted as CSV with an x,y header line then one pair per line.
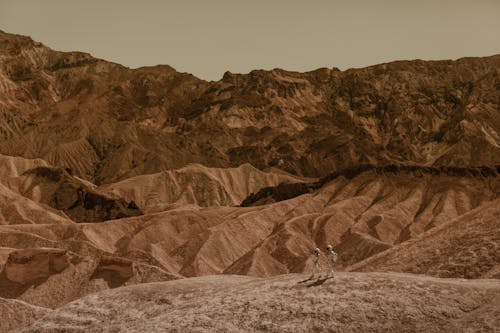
x,y
107,122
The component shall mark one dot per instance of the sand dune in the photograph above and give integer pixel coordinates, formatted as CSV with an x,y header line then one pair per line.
x,y
350,302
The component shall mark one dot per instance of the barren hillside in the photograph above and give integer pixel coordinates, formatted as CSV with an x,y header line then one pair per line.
x,y
468,246
362,216
198,185
353,302
107,122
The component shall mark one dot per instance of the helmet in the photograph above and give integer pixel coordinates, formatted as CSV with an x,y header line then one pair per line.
x,y
329,247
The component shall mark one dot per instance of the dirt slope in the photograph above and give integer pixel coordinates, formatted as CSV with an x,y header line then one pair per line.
x,y
468,246
16,314
51,277
17,209
78,199
11,166
350,302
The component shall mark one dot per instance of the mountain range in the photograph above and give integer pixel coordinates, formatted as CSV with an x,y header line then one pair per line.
x,y
146,178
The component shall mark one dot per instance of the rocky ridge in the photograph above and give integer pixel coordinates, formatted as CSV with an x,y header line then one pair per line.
x,y
127,122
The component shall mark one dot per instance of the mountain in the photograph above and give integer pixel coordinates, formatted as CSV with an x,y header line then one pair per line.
x,y
114,180
107,122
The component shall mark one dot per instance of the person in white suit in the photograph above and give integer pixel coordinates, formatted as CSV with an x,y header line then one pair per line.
x,y
332,259
317,263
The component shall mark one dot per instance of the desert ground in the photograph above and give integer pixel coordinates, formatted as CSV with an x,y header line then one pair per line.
x,y
347,302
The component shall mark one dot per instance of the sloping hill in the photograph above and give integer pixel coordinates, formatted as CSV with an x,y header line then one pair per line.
x,y
79,200
467,246
17,209
350,302
11,166
17,314
360,216
196,184
51,276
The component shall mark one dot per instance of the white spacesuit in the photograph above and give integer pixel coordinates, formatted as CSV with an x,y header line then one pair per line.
x,y
317,262
332,259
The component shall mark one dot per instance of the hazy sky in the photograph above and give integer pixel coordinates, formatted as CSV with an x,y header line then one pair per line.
x,y
208,37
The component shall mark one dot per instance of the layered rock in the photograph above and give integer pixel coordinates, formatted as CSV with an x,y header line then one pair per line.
x,y
107,122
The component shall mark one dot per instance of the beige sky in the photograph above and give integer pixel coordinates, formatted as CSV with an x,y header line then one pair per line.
x,y
208,37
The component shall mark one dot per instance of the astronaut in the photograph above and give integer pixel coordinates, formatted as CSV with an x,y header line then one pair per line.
x,y
332,259
317,263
